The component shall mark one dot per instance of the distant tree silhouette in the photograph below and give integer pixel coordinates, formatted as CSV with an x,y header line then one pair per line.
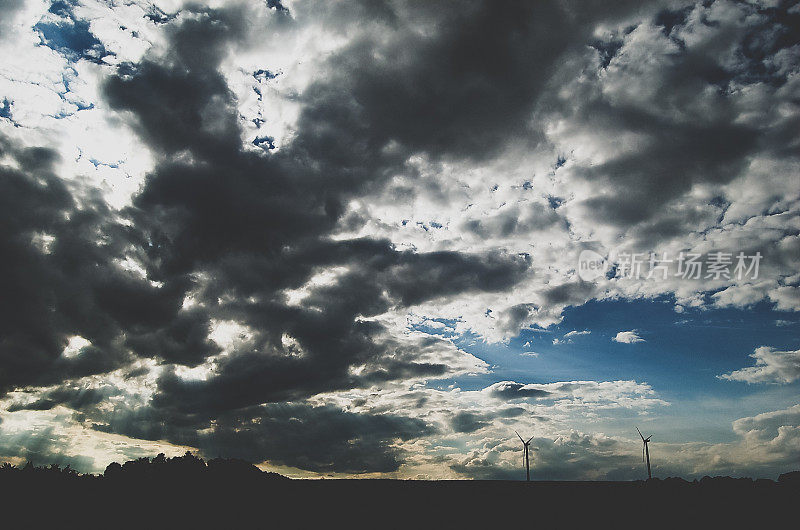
x,y
187,467
790,478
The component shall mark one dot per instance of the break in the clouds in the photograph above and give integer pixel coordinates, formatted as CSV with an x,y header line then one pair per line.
x,y
231,226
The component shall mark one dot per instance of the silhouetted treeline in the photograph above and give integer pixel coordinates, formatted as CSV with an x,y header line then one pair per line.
x,y
181,468
187,467
188,492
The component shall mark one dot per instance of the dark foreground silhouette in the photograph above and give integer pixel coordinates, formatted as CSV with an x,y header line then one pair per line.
x,y
186,492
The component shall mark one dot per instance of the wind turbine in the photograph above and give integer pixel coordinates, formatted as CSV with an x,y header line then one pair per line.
x,y
645,450
525,448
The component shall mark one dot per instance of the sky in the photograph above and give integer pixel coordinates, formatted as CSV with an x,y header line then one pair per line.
x,y
375,239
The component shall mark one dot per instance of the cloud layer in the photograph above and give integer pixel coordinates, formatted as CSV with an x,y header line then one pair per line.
x,y
221,222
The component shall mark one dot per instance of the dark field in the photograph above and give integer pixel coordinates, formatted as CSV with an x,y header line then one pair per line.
x,y
239,496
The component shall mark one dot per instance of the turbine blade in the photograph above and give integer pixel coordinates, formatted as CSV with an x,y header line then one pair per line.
x,y
642,452
520,437
529,440
640,433
648,438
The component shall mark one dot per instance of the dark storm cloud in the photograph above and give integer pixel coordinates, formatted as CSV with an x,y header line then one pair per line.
x,y
59,276
463,92
356,443
450,273
445,78
330,349
62,252
181,340
185,103
678,157
284,434
76,398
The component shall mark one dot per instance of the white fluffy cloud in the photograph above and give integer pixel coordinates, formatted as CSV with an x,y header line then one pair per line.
x,y
771,366
575,333
567,339
628,337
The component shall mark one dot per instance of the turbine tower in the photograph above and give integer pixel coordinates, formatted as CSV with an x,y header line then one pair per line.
x,y
525,448
645,451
